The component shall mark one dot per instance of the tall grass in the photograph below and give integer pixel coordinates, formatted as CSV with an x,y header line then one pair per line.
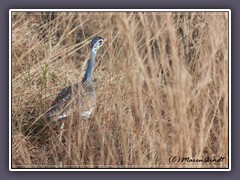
x,y
161,81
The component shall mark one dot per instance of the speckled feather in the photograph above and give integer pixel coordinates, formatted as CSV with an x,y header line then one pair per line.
x,y
70,99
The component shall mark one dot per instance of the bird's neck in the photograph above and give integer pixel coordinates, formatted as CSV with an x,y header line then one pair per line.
x,y
90,67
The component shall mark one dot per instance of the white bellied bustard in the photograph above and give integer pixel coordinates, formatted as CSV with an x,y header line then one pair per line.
x,y
80,96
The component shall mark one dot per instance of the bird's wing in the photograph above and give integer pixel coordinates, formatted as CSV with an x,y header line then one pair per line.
x,y
63,99
63,96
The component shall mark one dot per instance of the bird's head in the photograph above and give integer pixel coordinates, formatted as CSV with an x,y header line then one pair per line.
x,y
96,43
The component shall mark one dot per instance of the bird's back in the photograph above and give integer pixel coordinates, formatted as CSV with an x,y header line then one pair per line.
x,y
79,96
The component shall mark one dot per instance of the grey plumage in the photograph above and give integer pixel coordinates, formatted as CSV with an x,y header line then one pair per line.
x,y
80,96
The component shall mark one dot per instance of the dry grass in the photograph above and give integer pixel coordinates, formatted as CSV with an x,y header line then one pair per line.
x,y
161,82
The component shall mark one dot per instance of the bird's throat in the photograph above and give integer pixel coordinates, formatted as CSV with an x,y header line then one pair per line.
x,y
90,67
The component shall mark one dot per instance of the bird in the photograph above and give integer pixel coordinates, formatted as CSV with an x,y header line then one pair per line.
x,y
79,96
